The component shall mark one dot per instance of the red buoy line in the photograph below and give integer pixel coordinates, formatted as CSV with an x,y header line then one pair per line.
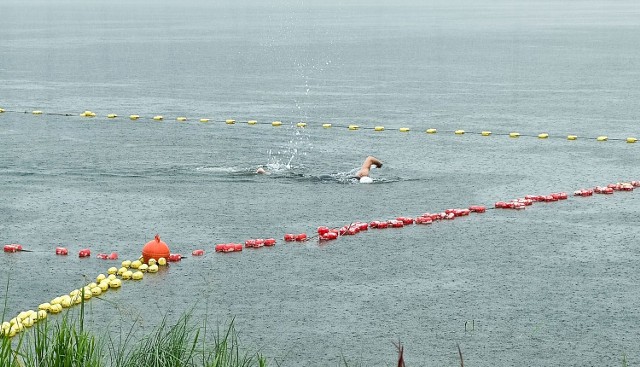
x,y
325,233
156,252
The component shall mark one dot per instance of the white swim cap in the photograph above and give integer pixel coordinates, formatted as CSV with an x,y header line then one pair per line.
x,y
366,180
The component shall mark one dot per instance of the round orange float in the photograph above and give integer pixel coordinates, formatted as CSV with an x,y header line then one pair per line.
x,y
155,249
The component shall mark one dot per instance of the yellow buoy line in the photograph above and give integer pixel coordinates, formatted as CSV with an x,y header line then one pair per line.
x,y
129,270
352,127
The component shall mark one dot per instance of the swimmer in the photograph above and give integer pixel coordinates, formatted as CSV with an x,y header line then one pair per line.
x,y
363,173
262,171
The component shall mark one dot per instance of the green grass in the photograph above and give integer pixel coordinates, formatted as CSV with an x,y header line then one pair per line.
x,y
67,343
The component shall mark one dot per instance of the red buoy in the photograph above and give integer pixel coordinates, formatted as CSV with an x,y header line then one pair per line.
x,y
102,256
220,247
477,208
270,242
10,248
363,226
62,251
301,237
173,257
249,243
289,237
382,225
198,252
322,230
113,256
84,253
328,236
155,249
374,224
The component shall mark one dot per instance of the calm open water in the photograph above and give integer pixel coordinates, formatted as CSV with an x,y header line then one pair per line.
x,y
556,284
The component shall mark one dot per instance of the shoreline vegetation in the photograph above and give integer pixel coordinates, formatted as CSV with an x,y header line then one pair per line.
x,y
65,342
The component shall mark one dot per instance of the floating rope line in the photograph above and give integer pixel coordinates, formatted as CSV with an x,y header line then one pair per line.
x,y
302,125
134,270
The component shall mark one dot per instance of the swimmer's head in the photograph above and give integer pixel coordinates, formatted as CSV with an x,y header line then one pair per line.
x,y
260,171
366,180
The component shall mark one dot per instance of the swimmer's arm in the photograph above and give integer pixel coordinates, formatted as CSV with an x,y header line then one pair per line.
x,y
374,161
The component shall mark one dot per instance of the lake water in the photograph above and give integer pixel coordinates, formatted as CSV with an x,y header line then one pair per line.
x,y
556,284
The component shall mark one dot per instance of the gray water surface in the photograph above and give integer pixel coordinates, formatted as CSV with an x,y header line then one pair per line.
x,y
555,284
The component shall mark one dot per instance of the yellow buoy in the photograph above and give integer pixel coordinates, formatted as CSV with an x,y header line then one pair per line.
x,y
28,322
572,137
162,261
326,126
354,127
181,119
230,122
153,268
514,135
301,124
127,275
151,262
104,285
158,118
44,306
41,314
55,309
92,284
431,131
378,128
111,270
404,129
37,112
631,140
602,138
485,133
121,270
143,268
276,123
137,275
87,293
126,264
136,264
96,291
134,117
459,132
204,120
252,122
88,114
66,302
56,301
543,136
112,115
100,278
111,276
1,110
116,283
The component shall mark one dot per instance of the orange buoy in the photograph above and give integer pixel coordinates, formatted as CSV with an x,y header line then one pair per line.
x,y
155,249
